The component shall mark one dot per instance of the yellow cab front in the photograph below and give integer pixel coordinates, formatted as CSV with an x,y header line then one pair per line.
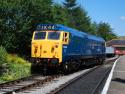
x,y
47,44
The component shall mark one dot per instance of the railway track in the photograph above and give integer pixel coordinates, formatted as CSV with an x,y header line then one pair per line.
x,y
96,88
33,81
25,83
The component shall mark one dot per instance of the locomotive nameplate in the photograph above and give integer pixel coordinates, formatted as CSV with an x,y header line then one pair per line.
x,y
46,27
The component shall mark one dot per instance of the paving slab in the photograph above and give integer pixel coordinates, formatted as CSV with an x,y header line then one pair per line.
x,y
117,85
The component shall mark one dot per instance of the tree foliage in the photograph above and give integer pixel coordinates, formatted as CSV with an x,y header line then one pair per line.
x,y
69,4
59,14
77,17
105,31
3,56
18,19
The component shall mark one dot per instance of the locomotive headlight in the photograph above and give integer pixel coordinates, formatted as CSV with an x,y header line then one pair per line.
x,y
52,49
35,50
56,46
38,61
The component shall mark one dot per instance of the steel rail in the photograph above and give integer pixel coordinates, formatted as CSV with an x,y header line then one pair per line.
x,y
96,90
2,85
39,82
23,87
57,90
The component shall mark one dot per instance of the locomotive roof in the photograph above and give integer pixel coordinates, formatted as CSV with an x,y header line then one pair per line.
x,y
62,28
75,32
96,38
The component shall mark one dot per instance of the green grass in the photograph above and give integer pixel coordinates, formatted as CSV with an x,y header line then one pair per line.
x,y
14,67
16,71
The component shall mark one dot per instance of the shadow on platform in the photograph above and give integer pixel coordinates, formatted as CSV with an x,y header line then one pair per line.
x,y
119,80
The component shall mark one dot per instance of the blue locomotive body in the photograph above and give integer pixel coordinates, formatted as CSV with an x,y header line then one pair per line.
x,y
65,48
82,45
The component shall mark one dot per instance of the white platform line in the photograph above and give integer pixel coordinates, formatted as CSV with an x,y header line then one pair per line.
x,y
105,89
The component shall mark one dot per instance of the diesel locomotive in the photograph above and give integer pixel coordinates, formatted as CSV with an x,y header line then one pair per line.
x,y
61,48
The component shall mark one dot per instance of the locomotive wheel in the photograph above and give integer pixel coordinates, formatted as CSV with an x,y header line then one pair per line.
x,y
66,68
100,61
44,71
74,65
33,68
36,68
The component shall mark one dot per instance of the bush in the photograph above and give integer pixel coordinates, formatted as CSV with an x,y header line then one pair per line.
x,y
3,60
12,67
13,58
3,56
18,68
16,71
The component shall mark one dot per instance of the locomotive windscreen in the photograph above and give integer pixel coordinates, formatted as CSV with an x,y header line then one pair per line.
x,y
40,35
54,35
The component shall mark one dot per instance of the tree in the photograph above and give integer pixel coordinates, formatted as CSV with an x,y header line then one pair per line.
x,y
105,31
81,20
18,18
77,17
69,4
93,28
59,14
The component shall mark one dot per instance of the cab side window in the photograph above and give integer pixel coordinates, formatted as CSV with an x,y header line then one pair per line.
x,y
65,37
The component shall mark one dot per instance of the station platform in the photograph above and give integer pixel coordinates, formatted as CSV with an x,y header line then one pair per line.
x,y
115,83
